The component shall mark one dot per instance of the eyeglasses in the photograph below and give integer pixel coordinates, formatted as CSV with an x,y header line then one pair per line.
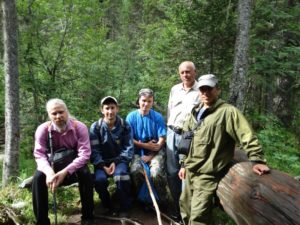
x,y
146,91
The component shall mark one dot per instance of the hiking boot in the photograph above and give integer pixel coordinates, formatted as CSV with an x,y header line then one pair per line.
x,y
87,222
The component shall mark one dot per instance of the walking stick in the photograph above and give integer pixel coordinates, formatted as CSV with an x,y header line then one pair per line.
x,y
152,195
52,165
146,171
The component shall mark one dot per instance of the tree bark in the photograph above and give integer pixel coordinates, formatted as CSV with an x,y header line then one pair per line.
x,y
250,199
12,134
238,82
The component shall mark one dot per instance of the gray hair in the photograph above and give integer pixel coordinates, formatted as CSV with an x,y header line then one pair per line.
x,y
56,101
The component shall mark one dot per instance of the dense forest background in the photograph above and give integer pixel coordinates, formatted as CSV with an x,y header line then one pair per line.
x,y
81,51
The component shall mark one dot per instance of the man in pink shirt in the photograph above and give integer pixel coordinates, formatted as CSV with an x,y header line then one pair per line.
x,y
70,134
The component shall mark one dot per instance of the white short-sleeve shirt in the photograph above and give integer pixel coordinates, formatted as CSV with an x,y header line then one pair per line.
x,y
181,103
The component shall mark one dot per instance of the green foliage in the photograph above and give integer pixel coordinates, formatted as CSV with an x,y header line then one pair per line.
x,y
27,163
209,34
81,51
274,54
280,146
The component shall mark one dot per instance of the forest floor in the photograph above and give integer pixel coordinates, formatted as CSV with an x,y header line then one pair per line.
x,y
137,216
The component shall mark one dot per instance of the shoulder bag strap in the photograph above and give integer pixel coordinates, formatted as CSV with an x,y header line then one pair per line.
x,y
50,145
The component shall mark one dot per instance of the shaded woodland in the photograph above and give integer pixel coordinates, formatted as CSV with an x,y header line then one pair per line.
x,y
81,51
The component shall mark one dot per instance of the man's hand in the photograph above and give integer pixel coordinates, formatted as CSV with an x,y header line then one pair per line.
x,y
260,169
154,145
58,179
111,169
54,180
181,173
50,181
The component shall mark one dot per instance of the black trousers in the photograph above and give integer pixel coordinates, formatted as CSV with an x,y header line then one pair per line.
x,y
40,195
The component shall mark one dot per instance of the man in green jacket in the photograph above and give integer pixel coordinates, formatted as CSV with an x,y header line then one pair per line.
x,y
221,127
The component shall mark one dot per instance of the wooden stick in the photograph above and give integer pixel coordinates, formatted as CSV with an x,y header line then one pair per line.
x,y
166,217
153,198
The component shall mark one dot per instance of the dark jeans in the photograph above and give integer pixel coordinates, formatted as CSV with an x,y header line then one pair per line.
x,y
122,180
40,195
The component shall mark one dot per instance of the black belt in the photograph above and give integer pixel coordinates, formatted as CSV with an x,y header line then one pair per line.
x,y
177,130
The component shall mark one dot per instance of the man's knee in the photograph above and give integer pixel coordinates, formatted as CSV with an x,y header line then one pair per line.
x,y
84,175
83,171
39,178
121,171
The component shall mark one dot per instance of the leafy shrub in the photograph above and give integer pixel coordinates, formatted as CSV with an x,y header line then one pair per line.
x,y
280,145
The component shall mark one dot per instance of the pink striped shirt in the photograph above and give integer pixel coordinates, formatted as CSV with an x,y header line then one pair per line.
x,y
75,136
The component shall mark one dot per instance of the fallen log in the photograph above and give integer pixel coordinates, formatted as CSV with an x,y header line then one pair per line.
x,y
250,199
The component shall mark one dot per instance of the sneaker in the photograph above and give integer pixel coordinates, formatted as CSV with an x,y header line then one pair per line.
x,y
87,222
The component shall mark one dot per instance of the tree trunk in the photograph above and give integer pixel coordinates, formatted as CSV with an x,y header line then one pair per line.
x,y
261,200
12,135
238,82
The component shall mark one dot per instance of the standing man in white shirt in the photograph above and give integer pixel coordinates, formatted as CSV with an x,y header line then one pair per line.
x,y
183,97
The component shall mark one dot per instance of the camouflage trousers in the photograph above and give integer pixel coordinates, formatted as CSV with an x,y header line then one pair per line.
x,y
157,172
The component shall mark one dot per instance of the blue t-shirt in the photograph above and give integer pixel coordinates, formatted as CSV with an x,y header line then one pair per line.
x,y
147,127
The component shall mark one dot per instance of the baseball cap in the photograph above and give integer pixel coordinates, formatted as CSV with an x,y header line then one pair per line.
x,y
108,99
207,80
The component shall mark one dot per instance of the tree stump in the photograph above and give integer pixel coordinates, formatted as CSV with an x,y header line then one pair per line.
x,y
250,199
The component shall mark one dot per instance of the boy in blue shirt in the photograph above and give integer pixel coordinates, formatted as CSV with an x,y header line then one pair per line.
x,y
149,135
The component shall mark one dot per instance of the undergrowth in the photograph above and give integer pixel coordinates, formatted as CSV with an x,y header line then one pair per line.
x,y
280,146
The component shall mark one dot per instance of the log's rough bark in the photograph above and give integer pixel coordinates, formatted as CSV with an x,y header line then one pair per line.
x,y
251,199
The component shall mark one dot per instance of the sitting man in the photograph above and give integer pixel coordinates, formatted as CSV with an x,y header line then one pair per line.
x,y
149,135
112,151
68,133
